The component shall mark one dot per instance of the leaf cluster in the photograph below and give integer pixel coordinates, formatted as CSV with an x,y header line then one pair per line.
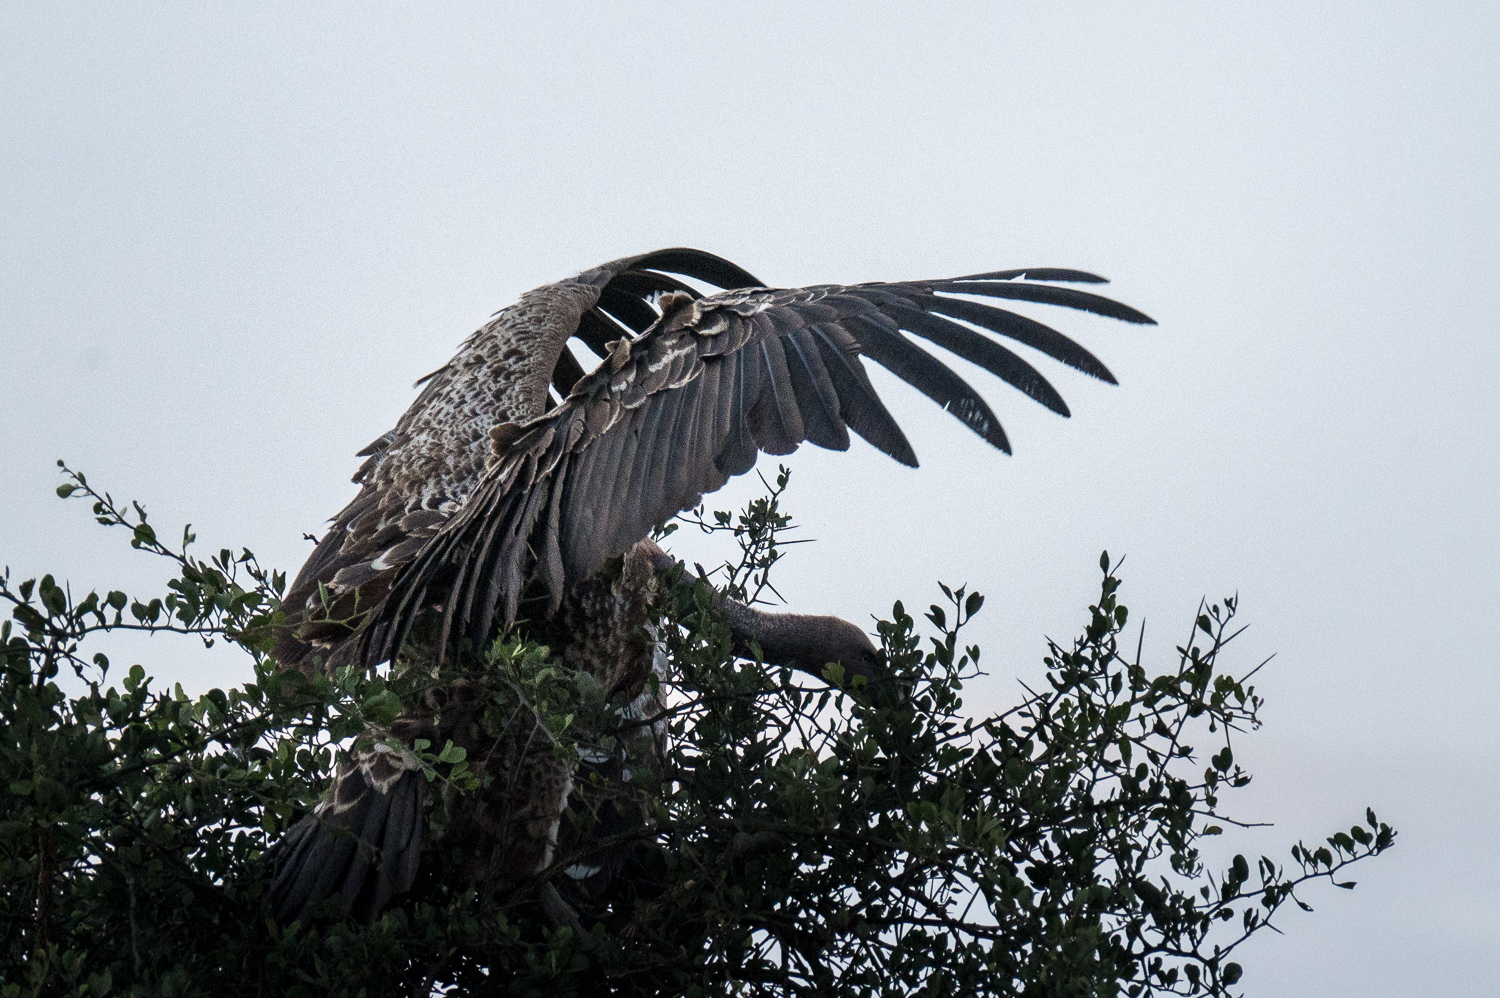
x,y
793,836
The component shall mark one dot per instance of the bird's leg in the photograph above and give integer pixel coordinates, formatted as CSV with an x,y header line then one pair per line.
x,y
798,640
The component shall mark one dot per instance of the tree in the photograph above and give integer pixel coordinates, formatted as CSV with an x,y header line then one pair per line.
x,y
793,837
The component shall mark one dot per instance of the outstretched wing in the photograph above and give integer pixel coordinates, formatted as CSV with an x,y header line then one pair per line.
x,y
675,412
416,476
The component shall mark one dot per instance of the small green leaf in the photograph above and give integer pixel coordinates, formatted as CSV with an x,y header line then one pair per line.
x,y
28,617
382,707
1240,869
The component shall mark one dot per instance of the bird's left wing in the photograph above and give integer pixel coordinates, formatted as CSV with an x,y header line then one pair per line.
x,y
673,413
421,472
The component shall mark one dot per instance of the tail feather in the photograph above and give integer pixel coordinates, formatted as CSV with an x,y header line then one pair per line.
x,y
361,847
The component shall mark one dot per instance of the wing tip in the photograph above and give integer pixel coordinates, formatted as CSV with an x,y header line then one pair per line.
x,y
996,438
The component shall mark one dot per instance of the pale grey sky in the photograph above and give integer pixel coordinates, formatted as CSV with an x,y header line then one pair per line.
x,y
230,240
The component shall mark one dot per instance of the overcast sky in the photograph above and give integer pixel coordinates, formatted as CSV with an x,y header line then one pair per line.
x,y
229,243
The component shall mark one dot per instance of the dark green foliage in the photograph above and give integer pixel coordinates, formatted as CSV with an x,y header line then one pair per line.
x,y
807,839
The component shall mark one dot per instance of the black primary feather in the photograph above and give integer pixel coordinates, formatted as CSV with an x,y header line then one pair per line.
x,y
1068,297
1035,274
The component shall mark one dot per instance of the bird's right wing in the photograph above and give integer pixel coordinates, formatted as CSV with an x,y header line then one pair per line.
x,y
673,413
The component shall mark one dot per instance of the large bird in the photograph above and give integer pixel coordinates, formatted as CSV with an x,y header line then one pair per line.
x,y
517,480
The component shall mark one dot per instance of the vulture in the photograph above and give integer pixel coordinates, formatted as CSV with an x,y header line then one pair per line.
x,y
519,491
